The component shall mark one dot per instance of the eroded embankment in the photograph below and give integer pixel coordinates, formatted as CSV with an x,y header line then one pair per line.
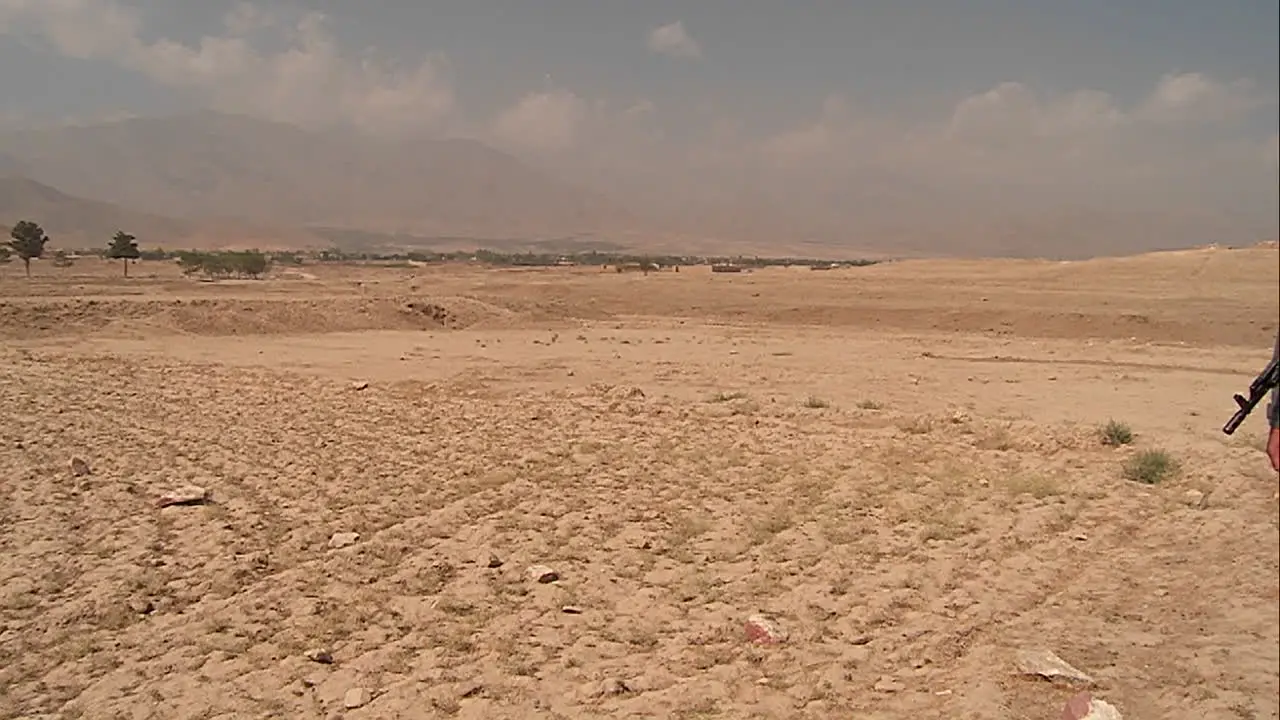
x,y
53,318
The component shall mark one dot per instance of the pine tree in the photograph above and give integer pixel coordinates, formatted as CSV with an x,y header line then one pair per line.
x,y
124,247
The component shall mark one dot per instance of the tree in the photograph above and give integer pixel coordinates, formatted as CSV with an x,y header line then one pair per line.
x,y
27,240
124,247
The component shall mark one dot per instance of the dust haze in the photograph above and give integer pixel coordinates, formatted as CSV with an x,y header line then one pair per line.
x,y
280,126
980,474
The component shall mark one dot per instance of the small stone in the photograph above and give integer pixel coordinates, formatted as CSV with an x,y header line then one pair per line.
x,y
141,606
356,697
470,690
760,629
1086,707
613,686
186,495
889,685
495,562
343,539
571,610
320,655
359,385
1048,665
1195,499
543,574
79,467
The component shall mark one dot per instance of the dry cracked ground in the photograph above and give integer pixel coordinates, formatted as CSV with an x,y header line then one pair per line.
x,y
472,493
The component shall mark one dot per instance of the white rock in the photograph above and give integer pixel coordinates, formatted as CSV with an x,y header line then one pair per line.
x,y
185,495
356,697
343,539
1045,664
543,574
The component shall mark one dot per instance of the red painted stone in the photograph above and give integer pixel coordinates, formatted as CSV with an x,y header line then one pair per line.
x,y
1078,707
760,629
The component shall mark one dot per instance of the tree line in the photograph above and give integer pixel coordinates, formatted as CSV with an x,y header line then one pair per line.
x,y
28,241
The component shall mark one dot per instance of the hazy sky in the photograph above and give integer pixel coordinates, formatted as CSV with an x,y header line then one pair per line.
x,y
821,109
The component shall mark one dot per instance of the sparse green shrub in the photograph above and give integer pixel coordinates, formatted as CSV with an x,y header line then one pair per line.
x,y
245,263
1150,467
1115,434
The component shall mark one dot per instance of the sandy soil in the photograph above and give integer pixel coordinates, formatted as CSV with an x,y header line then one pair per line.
x,y
899,466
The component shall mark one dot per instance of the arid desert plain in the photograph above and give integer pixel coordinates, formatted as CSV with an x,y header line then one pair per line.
x,y
451,491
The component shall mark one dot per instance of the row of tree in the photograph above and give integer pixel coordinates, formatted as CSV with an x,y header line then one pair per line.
x,y
27,240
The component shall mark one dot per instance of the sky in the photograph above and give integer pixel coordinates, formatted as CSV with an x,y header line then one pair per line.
x,y
833,113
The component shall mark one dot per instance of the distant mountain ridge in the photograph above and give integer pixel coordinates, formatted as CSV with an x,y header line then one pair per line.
x,y
212,166
217,180
73,221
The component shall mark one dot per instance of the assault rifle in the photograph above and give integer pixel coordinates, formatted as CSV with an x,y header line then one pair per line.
x,y
1258,389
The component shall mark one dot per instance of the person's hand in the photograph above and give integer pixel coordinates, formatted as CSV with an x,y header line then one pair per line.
x,y
1273,448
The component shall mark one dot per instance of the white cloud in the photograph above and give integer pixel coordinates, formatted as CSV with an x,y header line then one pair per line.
x,y
1012,132
1195,97
309,81
1190,142
541,122
673,40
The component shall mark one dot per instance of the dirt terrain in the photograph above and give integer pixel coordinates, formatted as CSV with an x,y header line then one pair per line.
x,y
900,468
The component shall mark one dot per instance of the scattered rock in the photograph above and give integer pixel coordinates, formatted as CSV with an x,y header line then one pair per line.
x,y
470,690
626,393
343,539
79,467
543,574
1086,707
571,610
141,606
186,495
1048,665
613,686
320,655
889,685
760,629
356,697
359,385
495,562
1196,499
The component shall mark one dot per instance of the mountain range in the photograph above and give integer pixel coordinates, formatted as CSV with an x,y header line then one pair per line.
x,y
209,179
223,179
